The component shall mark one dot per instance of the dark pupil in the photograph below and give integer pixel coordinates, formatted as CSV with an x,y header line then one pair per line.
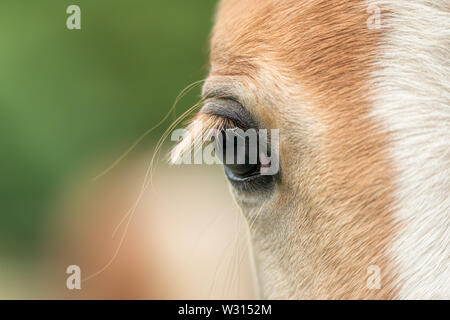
x,y
243,149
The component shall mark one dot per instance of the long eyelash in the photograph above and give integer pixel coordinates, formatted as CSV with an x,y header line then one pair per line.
x,y
199,131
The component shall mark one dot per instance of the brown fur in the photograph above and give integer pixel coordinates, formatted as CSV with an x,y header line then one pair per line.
x,y
303,67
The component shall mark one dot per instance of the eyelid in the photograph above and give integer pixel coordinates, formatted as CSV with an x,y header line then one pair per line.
x,y
221,92
232,110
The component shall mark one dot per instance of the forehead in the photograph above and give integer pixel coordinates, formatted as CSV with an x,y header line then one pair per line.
x,y
239,34
315,41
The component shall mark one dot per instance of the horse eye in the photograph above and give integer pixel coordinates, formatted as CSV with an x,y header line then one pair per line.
x,y
239,152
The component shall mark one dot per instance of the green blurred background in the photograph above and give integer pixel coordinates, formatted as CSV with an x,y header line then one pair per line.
x,y
70,97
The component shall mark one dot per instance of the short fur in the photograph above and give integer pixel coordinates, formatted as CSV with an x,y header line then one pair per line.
x,y
356,128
